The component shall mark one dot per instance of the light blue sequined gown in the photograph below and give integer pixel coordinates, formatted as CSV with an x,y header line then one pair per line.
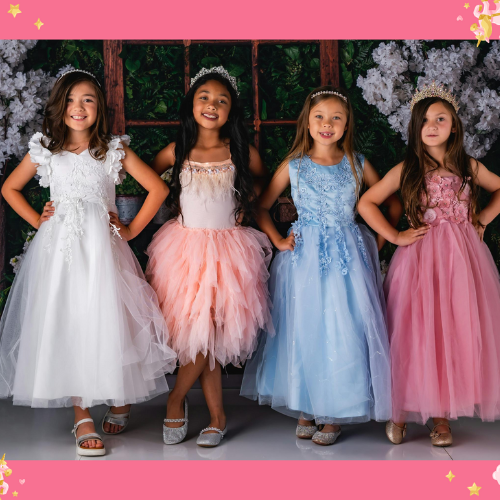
x,y
329,358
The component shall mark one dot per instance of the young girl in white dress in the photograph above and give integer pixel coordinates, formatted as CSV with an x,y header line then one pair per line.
x,y
81,326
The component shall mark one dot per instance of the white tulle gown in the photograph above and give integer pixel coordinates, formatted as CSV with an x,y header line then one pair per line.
x,y
81,325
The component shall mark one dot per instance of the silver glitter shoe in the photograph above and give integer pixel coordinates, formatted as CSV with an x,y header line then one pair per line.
x,y
210,440
174,435
326,438
115,419
306,431
87,452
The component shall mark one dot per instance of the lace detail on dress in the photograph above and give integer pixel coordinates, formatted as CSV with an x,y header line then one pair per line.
x,y
444,203
332,211
214,181
41,155
114,156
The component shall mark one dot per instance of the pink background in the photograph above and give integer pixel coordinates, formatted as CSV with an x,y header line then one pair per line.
x,y
231,19
260,19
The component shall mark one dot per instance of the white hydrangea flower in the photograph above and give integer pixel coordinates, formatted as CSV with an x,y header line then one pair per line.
x,y
389,86
23,95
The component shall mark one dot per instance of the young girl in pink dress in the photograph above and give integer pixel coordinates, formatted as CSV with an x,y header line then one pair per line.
x,y
442,287
209,271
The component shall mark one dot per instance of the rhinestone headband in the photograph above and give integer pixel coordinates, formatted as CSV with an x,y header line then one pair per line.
x,y
434,90
343,97
79,71
217,69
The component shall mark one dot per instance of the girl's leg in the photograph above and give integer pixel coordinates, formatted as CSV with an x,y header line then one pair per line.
x,y
86,428
112,428
443,426
211,383
186,377
330,428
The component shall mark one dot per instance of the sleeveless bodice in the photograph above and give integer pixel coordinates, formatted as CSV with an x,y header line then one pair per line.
x,y
325,197
444,202
207,196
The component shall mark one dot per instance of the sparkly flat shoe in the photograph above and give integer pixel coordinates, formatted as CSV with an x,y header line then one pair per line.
x,y
115,419
87,452
326,438
441,438
174,435
395,433
305,431
210,440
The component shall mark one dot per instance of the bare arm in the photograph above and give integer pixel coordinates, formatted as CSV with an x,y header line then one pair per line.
x,y
164,159
395,209
151,182
278,184
491,183
12,192
368,207
258,170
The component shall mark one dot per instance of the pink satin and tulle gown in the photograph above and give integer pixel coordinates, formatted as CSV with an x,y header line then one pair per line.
x,y
443,308
210,274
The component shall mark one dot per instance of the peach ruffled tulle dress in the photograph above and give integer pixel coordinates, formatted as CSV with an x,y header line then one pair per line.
x,y
210,274
443,308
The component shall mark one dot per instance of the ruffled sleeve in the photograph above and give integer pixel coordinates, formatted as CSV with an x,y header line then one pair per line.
x,y
41,156
114,156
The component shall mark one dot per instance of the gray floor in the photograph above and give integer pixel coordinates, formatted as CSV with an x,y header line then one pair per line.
x,y
254,432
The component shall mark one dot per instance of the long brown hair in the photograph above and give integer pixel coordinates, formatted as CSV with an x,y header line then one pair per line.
x,y
53,123
418,160
303,142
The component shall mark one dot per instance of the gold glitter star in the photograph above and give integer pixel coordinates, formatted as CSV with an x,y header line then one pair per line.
x,y
14,10
15,493
474,489
466,5
450,476
38,24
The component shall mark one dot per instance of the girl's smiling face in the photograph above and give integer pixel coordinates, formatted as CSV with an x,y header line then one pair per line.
x,y
437,125
327,121
81,107
211,105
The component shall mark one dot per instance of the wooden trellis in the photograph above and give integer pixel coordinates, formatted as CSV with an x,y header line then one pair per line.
x,y
115,89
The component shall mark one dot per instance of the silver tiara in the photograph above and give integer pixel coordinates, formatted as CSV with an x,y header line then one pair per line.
x,y
329,92
218,69
79,71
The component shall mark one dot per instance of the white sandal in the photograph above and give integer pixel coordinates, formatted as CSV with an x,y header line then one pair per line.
x,y
115,419
87,452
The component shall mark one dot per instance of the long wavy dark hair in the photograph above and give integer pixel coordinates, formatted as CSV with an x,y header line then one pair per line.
x,y
56,130
419,162
239,145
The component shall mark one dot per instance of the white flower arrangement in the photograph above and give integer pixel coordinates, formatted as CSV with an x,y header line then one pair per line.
x,y
22,98
16,261
389,86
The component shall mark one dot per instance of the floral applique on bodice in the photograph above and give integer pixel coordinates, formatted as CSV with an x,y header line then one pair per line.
x,y
444,202
75,179
207,194
325,196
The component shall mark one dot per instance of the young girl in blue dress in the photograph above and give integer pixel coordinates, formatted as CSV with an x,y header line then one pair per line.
x,y
328,362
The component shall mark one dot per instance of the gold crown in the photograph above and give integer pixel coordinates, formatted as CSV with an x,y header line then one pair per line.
x,y
434,90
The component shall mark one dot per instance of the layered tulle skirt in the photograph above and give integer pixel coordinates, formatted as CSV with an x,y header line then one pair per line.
x,y
443,306
329,358
212,288
86,332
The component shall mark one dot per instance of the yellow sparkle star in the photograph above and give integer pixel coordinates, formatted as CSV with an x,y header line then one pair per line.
x,y
14,10
15,493
450,476
38,24
474,489
466,5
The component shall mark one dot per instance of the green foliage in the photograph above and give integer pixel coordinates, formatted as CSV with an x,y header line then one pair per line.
x,y
287,74
154,81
